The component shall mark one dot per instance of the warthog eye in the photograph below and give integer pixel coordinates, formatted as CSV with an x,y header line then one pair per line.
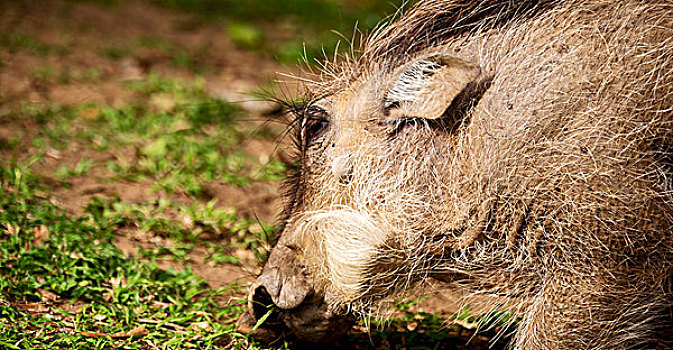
x,y
397,125
314,122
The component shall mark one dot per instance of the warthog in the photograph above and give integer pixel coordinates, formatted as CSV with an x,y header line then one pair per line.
x,y
519,149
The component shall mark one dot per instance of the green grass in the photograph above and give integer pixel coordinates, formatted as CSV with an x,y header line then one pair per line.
x,y
410,329
63,282
84,165
218,229
182,139
20,41
173,138
65,285
289,30
195,59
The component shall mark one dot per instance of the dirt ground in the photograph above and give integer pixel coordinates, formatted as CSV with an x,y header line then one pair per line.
x,y
79,32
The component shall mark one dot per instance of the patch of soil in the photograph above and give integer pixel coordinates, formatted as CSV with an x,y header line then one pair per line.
x,y
69,53
215,275
75,38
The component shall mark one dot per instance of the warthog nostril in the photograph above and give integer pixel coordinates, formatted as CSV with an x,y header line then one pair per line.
x,y
262,304
261,320
283,282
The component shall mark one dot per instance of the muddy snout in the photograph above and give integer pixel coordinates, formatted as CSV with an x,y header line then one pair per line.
x,y
284,296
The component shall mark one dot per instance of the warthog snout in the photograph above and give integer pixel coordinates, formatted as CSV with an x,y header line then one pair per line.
x,y
283,280
283,295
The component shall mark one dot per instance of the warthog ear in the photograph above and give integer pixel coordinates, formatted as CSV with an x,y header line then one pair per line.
x,y
426,87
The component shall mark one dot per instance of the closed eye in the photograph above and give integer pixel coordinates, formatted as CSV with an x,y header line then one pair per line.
x,y
397,125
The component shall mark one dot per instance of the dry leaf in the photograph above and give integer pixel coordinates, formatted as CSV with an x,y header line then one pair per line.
x,y
138,331
89,113
411,326
53,317
35,307
115,282
160,305
204,326
54,153
465,324
48,295
188,222
41,234
11,229
162,102
91,334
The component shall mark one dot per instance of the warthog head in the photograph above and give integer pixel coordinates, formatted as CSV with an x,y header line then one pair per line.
x,y
362,215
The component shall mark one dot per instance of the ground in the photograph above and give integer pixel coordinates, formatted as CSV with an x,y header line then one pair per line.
x,y
139,178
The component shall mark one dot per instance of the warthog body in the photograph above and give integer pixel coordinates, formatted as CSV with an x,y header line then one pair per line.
x,y
514,149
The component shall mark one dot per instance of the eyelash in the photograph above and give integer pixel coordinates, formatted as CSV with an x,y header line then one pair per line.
x,y
314,121
397,125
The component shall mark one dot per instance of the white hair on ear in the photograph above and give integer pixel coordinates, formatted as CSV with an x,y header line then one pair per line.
x,y
412,83
426,87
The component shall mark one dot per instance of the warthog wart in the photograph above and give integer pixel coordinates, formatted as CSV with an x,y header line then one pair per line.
x,y
519,149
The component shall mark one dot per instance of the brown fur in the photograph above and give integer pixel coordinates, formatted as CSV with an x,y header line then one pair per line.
x,y
548,179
